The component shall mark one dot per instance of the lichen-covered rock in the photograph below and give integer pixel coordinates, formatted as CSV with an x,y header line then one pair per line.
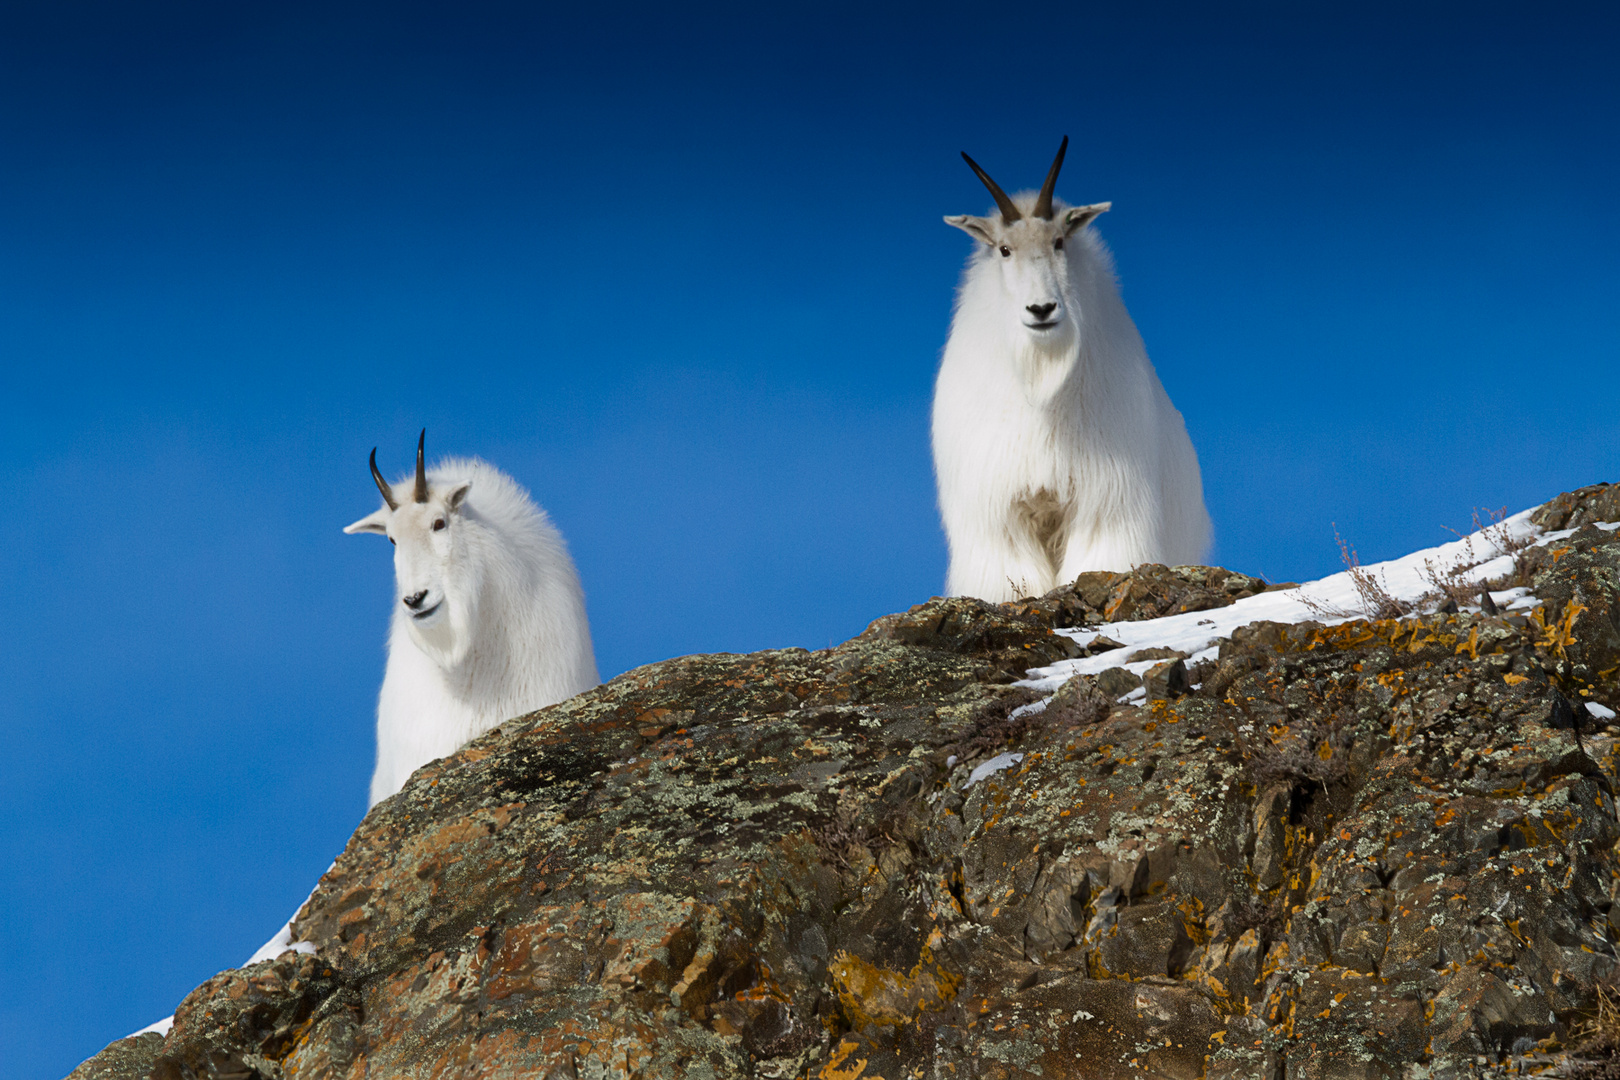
x,y
129,1057
1377,849
1583,506
261,1020
1147,592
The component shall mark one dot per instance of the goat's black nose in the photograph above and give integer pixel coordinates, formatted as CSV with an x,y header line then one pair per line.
x,y
1041,311
414,600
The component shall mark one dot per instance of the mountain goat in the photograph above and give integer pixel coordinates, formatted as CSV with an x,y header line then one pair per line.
x,y
1056,448
490,622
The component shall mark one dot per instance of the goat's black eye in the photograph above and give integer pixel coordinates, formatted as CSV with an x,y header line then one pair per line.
x,y
438,523
391,541
1057,245
1006,252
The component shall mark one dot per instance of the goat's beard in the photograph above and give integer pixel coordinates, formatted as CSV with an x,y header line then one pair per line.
x,y
1044,361
447,640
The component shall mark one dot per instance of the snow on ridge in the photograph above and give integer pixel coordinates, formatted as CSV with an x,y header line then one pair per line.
x,y
280,943
271,949
991,767
1198,633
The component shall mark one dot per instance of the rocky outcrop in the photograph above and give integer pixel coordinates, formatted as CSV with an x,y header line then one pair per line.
x,y
1145,593
131,1057
1380,848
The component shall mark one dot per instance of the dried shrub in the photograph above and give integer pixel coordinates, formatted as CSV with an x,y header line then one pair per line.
x,y
1448,588
1597,1041
1295,763
840,839
1377,602
1448,585
1502,538
1313,752
995,726
1008,720
1494,531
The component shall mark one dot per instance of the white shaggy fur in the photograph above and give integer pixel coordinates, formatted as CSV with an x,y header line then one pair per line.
x,y
1056,448
489,621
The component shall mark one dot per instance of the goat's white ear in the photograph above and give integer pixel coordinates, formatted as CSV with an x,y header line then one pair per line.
x,y
458,496
976,227
376,522
1076,218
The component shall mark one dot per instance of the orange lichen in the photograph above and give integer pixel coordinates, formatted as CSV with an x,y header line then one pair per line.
x,y
1471,646
1558,634
872,995
1358,632
836,1069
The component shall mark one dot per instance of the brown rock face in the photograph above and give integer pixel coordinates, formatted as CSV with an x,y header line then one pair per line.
x,y
125,1058
1147,592
1380,849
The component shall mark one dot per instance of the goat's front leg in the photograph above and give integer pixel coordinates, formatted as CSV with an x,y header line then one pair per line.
x,y
998,565
1116,549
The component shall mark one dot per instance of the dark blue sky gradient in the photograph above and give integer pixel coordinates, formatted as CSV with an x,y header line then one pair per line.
x,y
683,274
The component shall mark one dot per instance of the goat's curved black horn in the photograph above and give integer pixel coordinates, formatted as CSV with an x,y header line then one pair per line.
x,y
382,485
1043,205
1009,212
421,469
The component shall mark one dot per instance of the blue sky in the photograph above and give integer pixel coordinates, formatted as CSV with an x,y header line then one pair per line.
x,y
682,273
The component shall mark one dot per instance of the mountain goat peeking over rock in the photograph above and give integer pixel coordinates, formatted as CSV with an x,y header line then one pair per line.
x,y
1056,448
490,622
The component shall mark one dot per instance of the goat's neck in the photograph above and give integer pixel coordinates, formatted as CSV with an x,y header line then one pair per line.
x,y
491,653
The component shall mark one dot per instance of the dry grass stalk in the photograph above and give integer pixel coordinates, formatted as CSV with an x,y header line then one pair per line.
x,y
1597,1041
1376,599
1377,602
1448,585
1495,531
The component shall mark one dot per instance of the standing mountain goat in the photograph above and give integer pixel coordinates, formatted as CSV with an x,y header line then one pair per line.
x,y
1056,449
490,622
